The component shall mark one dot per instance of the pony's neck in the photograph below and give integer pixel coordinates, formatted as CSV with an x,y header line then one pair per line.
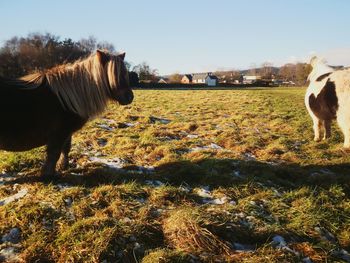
x,y
81,87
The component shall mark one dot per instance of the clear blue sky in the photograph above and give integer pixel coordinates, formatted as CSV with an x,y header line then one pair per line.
x,y
192,36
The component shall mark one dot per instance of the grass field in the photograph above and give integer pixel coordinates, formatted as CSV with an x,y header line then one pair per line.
x,y
185,176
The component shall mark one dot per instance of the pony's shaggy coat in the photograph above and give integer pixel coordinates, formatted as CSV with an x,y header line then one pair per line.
x,y
328,98
46,108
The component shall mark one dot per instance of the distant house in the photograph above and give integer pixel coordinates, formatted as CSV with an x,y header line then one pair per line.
x,y
199,78
186,79
211,80
163,80
205,78
250,79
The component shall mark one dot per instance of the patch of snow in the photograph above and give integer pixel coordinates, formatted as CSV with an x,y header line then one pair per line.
x,y
307,260
126,220
6,178
20,194
278,241
13,236
211,146
146,169
105,127
277,193
185,189
109,121
218,201
129,124
325,234
68,201
204,192
141,200
62,187
9,254
215,146
115,163
192,136
102,142
137,245
237,173
240,215
153,119
249,156
327,172
252,203
155,183
243,247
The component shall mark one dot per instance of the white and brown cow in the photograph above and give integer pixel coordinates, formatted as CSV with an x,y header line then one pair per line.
x,y
328,98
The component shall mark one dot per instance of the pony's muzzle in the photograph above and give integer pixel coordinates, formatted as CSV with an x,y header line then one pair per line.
x,y
126,98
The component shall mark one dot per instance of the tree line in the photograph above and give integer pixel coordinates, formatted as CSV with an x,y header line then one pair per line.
x,y
23,55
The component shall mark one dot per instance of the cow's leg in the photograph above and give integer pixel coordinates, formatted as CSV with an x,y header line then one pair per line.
x,y
327,128
317,128
64,160
53,152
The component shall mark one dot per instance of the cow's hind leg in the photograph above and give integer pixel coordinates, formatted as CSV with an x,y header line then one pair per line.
x,y
64,160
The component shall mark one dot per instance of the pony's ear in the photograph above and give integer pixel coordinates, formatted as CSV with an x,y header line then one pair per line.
x,y
101,56
122,56
314,60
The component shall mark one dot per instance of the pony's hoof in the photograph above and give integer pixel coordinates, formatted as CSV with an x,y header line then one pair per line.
x,y
50,177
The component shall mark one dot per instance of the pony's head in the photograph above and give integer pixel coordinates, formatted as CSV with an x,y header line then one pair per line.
x,y
117,76
319,68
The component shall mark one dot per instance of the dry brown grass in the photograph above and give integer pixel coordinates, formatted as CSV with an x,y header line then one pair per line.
x,y
183,231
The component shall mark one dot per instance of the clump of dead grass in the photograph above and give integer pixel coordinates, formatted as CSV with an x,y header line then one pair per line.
x,y
183,231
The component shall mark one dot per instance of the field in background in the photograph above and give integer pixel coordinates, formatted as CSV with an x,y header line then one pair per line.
x,y
185,176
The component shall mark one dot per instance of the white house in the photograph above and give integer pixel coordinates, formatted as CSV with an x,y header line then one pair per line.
x,y
250,79
211,80
205,78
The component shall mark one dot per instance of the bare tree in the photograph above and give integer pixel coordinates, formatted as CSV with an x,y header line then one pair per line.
x,y
266,70
145,72
175,78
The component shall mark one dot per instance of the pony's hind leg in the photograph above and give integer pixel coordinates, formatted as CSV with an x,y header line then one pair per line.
x,y
327,128
318,125
64,160
53,152
344,124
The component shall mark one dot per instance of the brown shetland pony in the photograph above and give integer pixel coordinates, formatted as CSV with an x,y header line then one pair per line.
x,y
46,108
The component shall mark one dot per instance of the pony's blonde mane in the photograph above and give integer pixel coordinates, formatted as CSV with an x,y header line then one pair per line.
x,y
83,87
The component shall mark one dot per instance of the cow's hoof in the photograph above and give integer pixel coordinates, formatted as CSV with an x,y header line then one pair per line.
x,y
317,139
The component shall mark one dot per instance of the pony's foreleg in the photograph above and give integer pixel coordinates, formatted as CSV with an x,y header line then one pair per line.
x,y
327,128
53,152
64,161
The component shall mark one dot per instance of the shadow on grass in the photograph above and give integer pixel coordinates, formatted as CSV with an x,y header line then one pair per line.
x,y
212,172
